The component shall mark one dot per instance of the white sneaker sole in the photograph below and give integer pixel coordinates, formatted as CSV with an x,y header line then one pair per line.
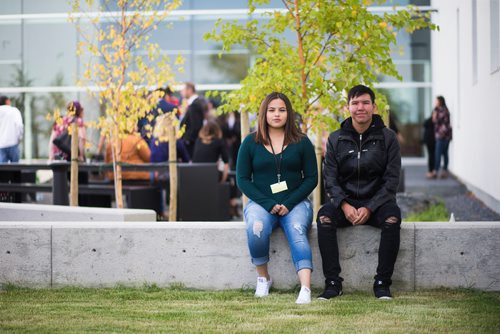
x,y
385,298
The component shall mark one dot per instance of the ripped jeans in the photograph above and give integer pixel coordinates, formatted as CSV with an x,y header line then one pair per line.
x,y
296,224
387,218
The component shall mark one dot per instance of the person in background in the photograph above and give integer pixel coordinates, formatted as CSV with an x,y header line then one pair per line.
x,y
11,131
429,140
210,147
276,170
230,125
443,134
159,143
74,115
146,124
170,98
134,150
159,153
393,120
193,118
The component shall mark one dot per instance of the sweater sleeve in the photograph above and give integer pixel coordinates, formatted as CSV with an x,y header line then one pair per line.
x,y
244,175
310,176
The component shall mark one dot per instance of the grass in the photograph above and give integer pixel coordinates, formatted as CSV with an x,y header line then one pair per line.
x,y
435,213
178,310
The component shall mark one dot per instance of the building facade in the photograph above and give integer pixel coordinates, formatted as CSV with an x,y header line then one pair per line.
x,y
39,65
466,71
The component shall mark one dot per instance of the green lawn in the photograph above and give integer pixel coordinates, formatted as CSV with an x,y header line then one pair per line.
x,y
435,213
126,310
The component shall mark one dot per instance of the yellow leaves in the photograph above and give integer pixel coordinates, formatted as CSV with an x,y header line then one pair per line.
x,y
112,33
367,2
354,13
252,98
383,25
179,60
365,34
338,24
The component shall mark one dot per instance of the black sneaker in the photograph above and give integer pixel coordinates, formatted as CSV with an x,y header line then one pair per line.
x,y
381,290
332,289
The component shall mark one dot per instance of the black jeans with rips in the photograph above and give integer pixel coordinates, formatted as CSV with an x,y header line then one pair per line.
x,y
389,241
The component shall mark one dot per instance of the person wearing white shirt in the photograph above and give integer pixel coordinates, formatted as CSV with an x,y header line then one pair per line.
x,y
11,131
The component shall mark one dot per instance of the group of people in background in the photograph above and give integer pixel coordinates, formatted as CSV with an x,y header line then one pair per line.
x,y
437,136
207,137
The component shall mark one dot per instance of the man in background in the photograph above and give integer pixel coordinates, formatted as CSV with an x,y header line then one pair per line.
x,y
11,131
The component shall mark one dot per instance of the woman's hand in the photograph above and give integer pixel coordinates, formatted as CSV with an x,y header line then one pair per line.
x,y
275,209
283,210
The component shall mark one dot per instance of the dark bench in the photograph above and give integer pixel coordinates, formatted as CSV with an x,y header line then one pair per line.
x,y
200,195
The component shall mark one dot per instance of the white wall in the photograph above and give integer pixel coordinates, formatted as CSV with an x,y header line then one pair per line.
x,y
474,106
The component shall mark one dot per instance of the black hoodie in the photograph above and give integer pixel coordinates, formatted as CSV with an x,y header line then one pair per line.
x,y
362,167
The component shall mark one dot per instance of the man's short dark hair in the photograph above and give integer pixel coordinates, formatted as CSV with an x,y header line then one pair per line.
x,y
360,90
3,100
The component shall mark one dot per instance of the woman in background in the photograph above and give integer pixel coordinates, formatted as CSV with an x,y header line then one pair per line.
x,y
74,115
443,134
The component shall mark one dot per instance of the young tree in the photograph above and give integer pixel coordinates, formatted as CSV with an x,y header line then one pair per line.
x,y
334,45
123,65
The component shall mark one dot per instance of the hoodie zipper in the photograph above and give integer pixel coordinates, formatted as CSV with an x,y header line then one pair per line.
x,y
359,158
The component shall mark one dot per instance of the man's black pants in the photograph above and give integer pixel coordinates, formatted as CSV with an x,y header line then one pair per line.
x,y
382,218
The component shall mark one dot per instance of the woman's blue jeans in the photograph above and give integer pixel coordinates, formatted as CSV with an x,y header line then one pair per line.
x,y
441,150
296,224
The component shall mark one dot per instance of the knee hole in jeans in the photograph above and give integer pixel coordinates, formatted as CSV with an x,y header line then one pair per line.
x,y
257,228
391,220
325,220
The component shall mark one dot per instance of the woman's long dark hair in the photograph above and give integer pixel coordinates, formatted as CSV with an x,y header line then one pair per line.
x,y
292,132
442,102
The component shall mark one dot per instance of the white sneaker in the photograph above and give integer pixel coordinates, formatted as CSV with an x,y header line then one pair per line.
x,y
304,296
263,286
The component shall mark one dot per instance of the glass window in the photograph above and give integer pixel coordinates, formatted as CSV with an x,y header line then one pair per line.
x,y
10,7
403,3
495,35
409,106
37,6
230,68
219,4
10,54
50,49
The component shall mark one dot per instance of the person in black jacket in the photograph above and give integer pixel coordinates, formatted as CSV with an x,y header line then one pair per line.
x,y
430,142
361,176
193,119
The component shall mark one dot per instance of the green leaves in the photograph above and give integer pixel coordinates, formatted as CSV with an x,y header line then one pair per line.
x,y
341,42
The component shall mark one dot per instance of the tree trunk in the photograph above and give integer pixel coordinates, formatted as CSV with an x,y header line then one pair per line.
x,y
117,168
318,147
172,167
73,190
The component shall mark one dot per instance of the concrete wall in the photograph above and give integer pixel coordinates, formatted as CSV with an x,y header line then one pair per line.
x,y
209,255
475,112
51,213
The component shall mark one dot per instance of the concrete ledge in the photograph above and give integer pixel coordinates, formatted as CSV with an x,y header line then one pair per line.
x,y
460,254
210,255
25,255
52,213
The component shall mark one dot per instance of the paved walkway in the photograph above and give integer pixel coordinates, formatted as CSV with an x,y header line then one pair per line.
x,y
458,200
